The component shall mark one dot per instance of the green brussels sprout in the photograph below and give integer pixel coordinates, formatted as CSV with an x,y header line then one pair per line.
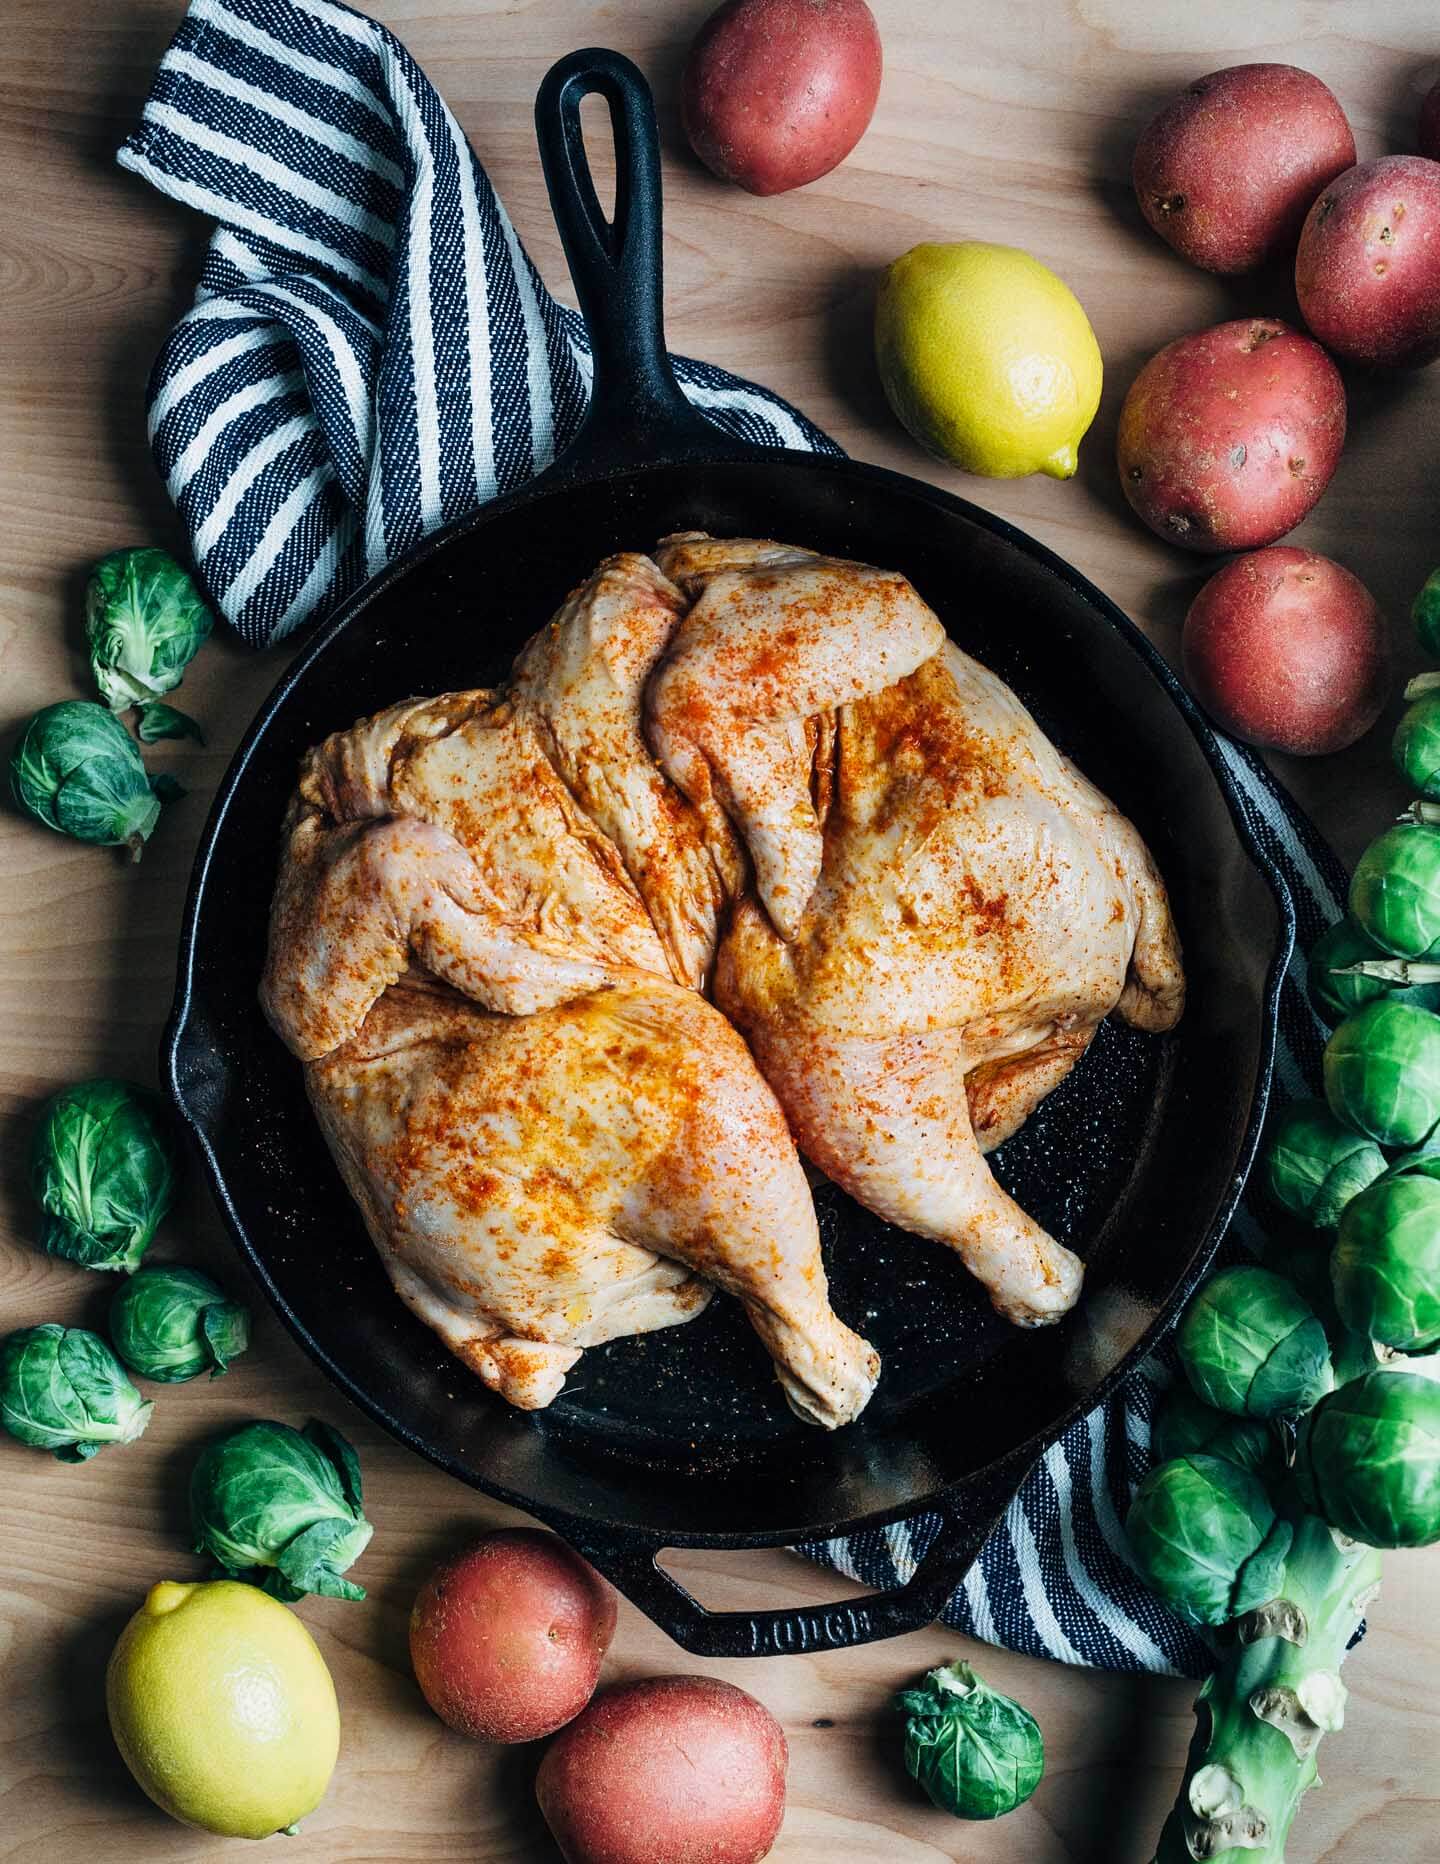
x,y
62,1389
156,720
103,1171
1314,1165
1186,1426
976,1753
1425,613
1385,1267
1337,995
172,1324
77,770
1395,889
1206,1539
1382,1073
1368,1459
1252,1347
285,1501
1416,745
145,621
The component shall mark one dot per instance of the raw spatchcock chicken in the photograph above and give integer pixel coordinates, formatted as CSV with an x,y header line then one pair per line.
x,y
747,861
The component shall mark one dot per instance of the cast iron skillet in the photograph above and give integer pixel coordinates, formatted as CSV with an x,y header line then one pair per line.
x,y
680,1438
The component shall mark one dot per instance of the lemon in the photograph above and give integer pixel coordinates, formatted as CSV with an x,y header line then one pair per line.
x,y
987,358
223,1709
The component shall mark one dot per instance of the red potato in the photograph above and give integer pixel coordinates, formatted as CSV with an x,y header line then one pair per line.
x,y
1229,436
673,1770
1430,123
506,1639
1368,270
1227,171
1288,651
776,93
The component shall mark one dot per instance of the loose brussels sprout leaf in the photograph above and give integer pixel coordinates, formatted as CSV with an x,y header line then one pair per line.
x,y
172,1324
77,770
1382,1073
1395,890
103,1171
1416,745
1314,1164
1385,1267
1425,613
1206,1539
158,720
63,1390
976,1753
1252,1347
1186,1426
270,1497
145,621
1368,1460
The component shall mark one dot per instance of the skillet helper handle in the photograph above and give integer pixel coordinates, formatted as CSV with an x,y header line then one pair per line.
x,y
637,410
635,1571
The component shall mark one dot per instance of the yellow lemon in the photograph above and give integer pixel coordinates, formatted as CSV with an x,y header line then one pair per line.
x,y
987,358
223,1709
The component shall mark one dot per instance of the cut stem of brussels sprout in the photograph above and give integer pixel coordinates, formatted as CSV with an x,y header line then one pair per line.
x,y
1261,1715
1421,684
1421,810
976,1753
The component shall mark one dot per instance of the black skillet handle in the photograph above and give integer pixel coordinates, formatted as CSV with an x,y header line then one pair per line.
x,y
637,410
966,1524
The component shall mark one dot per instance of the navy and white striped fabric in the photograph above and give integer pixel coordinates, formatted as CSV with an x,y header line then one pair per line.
x,y
371,354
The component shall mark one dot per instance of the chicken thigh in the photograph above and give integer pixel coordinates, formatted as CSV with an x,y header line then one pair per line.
x,y
553,1138
958,907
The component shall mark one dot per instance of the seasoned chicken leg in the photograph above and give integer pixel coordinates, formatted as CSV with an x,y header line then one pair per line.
x,y
539,1184
980,908
567,1145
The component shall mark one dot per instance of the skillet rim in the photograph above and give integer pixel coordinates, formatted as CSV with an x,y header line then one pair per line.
x,y
558,481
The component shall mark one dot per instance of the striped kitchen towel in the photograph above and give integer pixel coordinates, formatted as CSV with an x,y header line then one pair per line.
x,y
370,354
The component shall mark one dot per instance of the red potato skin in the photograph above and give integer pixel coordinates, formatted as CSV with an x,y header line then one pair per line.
x,y
776,93
1229,436
671,1770
1430,123
507,1638
1368,270
1287,650
1227,171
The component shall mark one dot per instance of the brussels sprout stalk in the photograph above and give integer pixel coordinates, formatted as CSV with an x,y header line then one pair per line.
x,y
1393,970
1261,1715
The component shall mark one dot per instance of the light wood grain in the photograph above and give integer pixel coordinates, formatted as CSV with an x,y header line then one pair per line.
x,y
1000,121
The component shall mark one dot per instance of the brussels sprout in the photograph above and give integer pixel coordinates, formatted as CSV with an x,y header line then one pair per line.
x,y
1186,1426
77,770
285,1501
172,1324
976,1753
1385,1266
1368,1459
157,720
1382,1073
1416,745
145,622
62,1389
1251,1346
1206,1539
102,1169
1314,1165
1395,889
1337,994
1425,614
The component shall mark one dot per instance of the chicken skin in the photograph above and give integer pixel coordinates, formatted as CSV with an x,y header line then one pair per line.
x,y
746,856
553,1140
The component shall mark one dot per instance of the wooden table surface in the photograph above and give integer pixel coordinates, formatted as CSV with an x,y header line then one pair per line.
x,y
1010,122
